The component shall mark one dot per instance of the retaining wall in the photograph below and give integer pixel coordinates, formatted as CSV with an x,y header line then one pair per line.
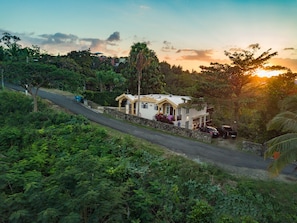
x,y
253,147
247,146
201,136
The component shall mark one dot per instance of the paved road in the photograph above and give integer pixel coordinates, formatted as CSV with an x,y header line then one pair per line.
x,y
190,148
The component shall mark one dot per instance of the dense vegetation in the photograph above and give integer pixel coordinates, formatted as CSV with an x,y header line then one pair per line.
x,y
233,92
58,167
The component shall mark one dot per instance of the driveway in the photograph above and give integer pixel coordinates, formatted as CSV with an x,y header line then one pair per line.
x,y
233,160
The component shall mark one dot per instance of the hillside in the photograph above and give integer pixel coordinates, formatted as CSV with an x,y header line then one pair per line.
x,y
59,167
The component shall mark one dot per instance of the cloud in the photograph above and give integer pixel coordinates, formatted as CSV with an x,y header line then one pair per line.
x,y
114,37
191,54
234,49
144,7
289,48
61,43
92,42
27,39
137,39
58,38
286,62
167,46
254,46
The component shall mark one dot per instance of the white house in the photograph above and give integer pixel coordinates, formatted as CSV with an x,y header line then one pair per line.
x,y
173,106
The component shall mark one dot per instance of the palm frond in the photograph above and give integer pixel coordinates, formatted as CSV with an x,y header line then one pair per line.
x,y
290,103
281,143
286,157
285,122
287,146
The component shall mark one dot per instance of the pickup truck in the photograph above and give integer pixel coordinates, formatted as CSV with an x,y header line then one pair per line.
x,y
226,131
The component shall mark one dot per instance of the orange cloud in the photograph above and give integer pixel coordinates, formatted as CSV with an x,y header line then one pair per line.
x,y
202,55
289,48
286,62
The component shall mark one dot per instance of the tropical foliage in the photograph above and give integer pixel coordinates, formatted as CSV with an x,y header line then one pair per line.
x,y
286,143
57,167
143,69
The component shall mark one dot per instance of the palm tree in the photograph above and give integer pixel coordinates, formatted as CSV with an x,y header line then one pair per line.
x,y
141,63
285,144
140,59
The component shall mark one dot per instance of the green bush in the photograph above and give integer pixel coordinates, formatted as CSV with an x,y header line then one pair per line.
x,y
201,212
103,98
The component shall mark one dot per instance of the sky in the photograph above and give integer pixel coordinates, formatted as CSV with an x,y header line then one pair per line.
x,y
187,33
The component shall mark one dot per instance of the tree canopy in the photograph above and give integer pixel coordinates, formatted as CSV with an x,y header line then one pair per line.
x,y
33,76
143,64
227,81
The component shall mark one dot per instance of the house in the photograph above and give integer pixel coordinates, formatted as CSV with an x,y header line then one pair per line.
x,y
173,107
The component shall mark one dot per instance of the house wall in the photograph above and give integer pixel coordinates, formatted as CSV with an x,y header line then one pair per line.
x,y
187,117
149,112
198,114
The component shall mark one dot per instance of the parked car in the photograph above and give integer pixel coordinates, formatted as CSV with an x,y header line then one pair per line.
x,y
227,131
211,130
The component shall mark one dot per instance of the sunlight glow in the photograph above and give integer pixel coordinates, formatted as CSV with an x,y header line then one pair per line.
x,y
267,73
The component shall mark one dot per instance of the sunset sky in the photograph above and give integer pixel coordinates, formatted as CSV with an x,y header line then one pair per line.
x,y
189,33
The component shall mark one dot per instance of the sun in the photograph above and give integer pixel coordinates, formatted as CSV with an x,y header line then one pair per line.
x,y
267,73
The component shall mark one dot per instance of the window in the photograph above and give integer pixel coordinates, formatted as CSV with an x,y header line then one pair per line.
x,y
156,107
187,110
179,116
144,105
167,109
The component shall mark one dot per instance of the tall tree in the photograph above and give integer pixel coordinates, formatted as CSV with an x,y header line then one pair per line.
x,y
278,88
109,79
85,61
33,76
227,81
285,144
12,46
144,66
177,81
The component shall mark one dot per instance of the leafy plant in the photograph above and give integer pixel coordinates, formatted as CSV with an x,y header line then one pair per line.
x,y
201,212
57,167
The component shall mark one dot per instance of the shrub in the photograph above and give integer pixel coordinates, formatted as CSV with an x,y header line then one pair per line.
x,y
201,212
164,118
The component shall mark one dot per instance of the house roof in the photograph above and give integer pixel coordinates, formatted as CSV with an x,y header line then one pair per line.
x,y
174,100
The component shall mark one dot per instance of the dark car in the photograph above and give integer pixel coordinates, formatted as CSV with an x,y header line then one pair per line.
x,y
226,131
211,130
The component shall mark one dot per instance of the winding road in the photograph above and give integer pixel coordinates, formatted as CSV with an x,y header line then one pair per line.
x,y
190,148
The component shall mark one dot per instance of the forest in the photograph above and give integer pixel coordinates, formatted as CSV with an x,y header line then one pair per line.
x,y
57,167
